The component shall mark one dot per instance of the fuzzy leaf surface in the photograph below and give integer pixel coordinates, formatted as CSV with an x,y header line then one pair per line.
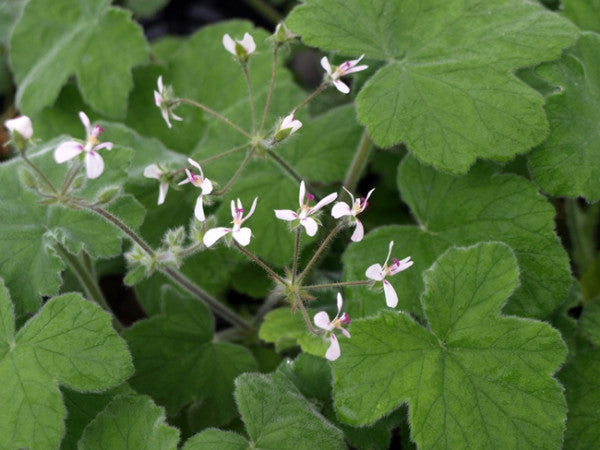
x,y
473,378
69,342
447,89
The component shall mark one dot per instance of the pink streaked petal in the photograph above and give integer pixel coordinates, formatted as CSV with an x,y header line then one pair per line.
x,y
402,265
152,171
355,69
242,236
359,232
188,179
375,272
67,150
340,303
252,208
325,64
301,193
321,320
326,201
106,145
162,192
248,43
207,186
391,299
345,332
157,99
333,352
229,44
199,210
214,234
341,86
340,209
86,123
196,165
310,225
286,214
391,246
94,165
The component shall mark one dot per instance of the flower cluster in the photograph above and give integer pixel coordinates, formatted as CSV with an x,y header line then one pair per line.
x,y
377,272
163,98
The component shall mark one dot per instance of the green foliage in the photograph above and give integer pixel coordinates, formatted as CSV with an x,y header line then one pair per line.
x,y
584,13
447,90
472,377
69,342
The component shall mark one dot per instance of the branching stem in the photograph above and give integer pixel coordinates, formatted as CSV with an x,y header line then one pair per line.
x,y
213,113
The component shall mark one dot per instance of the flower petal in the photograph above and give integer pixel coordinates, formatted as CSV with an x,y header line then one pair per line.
x,y
214,234
340,209
345,332
229,44
67,150
22,125
359,232
321,320
389,252
94,164
157,98
152,171
391,299
248,43
310,225
375,272
106,145
325,64
333,352
341,86
207,186
199,210
86,123
162,192
242,236
301,193
286,214
188,178
340,303
252,208
326,201
160,84
196,165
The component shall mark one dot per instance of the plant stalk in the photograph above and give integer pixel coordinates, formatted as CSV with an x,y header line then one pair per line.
x,y
215,114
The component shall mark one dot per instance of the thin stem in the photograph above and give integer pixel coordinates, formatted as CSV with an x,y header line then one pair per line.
x,y
302,309
310,97
236,174
322,247
214,113
296,251
265,10
271,84
71,174
251,95
40,173
216,306
258,261
338,284
223,154
284,165
358,163
87,281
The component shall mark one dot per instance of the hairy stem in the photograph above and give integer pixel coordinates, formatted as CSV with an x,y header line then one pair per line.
x,y
310,97
338,284
296,252
213,113
284,165
302,309
258,261
237,173
271,85
71,174
223,154
40,173
250,95
322,247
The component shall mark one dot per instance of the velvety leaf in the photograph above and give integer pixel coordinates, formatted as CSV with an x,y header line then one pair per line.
x,y
567,164
286,330
590,321
145,8
582,387
130,422
53,41
479,206
177,363
69,342
447,90
472,378
216,440
584,13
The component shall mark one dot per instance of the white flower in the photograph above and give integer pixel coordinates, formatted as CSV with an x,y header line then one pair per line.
x,y
343,209
240,48
241,235
163,98
153,171
282,33
94,164
379,273
288,126
305,212
343,69
21,125
321,320
201,182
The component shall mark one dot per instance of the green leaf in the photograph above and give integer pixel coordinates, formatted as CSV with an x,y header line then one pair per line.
x,y
216,440
68,37
282,328
447,90
177,363
29,229
582,387
584,13
472,378
69,342
130,422
590,321
276,415
568,163
145,8
479,206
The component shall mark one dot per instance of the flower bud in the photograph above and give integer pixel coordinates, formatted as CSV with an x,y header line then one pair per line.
x,y
108,194
282,34
21,131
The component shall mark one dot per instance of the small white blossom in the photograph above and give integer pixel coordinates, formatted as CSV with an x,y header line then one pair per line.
x,y
379,273
288,126
341,209
241,235
198,180
163,98
345,68
153,171
321,320
21,125
240,48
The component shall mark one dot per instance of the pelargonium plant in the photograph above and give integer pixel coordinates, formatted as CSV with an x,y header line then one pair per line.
x,y
204,268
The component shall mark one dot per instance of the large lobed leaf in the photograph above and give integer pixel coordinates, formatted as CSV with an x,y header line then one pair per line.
x,y
69,342
472,378
447,89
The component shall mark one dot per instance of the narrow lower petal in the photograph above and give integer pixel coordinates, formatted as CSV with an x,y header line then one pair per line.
x,y
310,225
286,214
199,210
162,192
214,234
157,99
94,165
341,86
106,145
242,236
152,171
375,272
391,299
333,352
345,332
165,113
340,209
359,232
321,320
67,150
188,179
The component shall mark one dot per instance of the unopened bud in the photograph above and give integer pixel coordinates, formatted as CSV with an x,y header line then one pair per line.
x,y
21,131
108,194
